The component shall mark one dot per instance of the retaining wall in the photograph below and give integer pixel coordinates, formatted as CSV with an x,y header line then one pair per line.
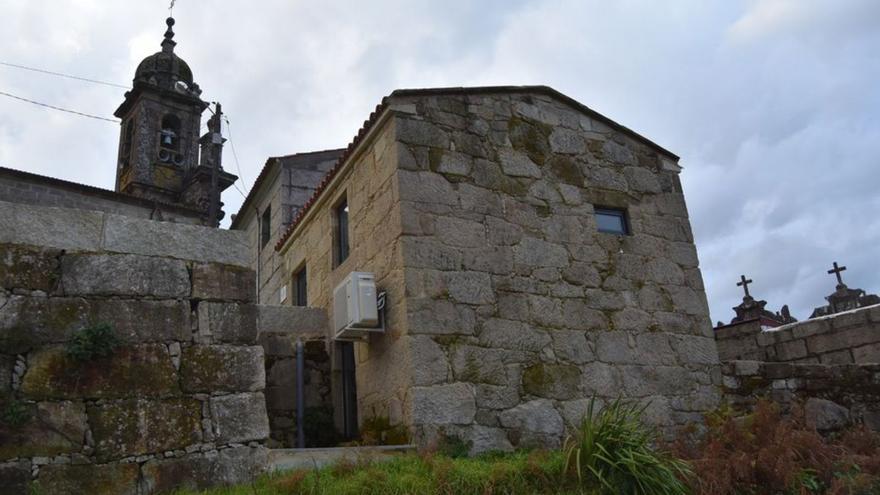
x,y
842,338
179,404
833,395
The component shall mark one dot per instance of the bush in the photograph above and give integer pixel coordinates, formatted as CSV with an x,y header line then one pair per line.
x,y
15,413
613,453
766,452
93,342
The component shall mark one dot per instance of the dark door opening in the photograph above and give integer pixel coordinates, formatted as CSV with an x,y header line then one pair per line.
x,y
349,391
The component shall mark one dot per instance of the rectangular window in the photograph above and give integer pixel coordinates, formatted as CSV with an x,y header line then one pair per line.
x,y
341,234
612,220
300,288
265,230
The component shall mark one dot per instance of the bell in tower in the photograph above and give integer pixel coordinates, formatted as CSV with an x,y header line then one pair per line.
x,y
159,140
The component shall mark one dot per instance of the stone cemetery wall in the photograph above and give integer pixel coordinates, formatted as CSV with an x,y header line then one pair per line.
x,y
833,396
280,328
518,310
842,338
179,402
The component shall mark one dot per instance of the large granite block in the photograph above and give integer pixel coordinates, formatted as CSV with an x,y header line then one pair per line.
x,y
240,418
93,479
23,267
60,228
123,275
212,281
136,426
49,429
201,471
222,368
139,371
188,242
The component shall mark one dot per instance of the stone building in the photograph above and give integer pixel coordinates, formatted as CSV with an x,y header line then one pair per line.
x,y
534,254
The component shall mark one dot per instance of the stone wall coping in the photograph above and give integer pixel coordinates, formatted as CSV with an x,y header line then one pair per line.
x,y
94,231
294,320
830,318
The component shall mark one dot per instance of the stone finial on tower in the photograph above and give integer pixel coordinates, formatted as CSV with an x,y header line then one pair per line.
x,y
168,43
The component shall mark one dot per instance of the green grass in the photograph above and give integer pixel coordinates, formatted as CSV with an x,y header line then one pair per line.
x,y
496,474
613,453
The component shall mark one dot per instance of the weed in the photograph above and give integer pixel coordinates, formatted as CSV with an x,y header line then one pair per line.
x,y
15,413
614,451
92,342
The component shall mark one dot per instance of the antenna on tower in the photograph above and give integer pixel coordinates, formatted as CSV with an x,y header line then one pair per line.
x,y
171,9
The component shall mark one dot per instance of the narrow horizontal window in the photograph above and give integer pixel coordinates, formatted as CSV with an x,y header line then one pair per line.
x,y
612,221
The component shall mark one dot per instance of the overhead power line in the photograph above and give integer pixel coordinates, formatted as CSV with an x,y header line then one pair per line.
x,y
60,74
234,154
46,105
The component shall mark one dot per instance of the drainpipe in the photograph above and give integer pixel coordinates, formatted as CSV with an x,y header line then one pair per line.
x,y
300,396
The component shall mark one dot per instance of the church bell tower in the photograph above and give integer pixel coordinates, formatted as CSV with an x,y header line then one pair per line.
x,y
159,139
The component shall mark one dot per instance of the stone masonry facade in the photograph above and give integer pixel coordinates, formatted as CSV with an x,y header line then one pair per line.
x,y
179,404
507,308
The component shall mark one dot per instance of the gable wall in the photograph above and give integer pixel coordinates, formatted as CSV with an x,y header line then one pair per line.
x,y
518,310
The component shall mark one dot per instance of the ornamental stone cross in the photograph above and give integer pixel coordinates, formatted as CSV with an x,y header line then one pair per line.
x,y
836,271
744,283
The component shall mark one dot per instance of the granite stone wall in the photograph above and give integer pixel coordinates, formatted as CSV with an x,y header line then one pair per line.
x,y
842,338
369,185
180,403
281,327
518,310
25,188
833,396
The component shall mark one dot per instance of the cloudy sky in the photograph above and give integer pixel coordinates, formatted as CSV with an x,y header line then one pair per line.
x,y
773,105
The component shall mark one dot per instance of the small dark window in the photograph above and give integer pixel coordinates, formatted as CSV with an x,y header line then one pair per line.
x,y
265,228
341,234
612,221
300,288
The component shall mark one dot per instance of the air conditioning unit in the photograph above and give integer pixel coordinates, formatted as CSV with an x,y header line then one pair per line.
x,y
355,308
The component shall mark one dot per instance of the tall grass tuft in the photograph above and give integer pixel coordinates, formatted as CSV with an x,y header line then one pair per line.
x,y
614,453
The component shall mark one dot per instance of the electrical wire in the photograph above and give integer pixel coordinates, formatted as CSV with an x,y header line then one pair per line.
x,y
234,154
46,105
60,74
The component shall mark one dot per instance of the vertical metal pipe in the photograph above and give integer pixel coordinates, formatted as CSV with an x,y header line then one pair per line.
x,y
300,396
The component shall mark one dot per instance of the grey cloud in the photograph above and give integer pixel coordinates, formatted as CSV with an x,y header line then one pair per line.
x,y
771,104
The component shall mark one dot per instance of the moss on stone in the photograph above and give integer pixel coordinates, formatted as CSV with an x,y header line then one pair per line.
x,y
530,138
134,426
139,371
435,156
553,381
567,170
88,478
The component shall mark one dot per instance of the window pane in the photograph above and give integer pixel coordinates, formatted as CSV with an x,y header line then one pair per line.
x,y
300,288
611,221
342,232
265,230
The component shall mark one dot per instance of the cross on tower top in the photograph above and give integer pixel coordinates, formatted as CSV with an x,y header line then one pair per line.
x,y
744,283
836,271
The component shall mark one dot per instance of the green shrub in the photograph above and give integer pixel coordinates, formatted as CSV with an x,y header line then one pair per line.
x,y
613,452
15,413
93,342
